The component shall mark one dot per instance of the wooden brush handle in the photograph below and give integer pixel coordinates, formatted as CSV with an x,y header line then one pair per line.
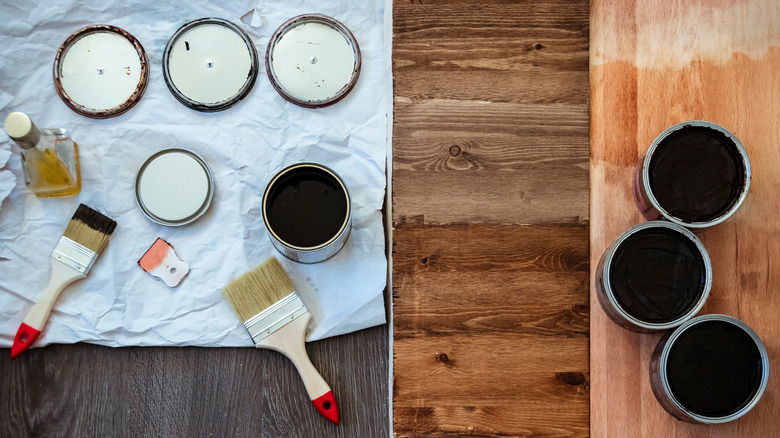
x,y
61,276
290,341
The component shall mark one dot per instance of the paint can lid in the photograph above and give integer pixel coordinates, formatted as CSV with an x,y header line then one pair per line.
x,y
313,60
210,64
101,71
174,187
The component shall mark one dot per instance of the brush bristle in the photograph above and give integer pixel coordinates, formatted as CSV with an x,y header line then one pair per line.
x,y
90,228
258,289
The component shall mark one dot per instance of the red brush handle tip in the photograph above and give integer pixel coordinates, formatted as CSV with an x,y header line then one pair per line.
x,y
326,404
25,337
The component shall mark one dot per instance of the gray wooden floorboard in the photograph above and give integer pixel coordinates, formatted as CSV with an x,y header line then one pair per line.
x,y
90,391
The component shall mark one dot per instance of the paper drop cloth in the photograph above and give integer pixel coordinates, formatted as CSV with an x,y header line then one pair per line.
x,y
119,304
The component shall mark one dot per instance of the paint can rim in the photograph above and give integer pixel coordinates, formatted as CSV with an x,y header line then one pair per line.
x,y
645,169
189,219
338,239
623,313
131,101
245,89
678,332
330,22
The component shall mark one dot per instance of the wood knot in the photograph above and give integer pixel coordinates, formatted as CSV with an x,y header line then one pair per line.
x,y
539,47
430,260
454,150
571,378
443,357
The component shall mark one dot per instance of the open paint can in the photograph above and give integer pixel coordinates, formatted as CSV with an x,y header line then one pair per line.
x,y
174,187
654,277
712,369
210,64
308,212
313,60
101,71
695,174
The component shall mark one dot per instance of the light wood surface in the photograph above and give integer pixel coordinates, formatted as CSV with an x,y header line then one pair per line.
x,y
655,63
490,207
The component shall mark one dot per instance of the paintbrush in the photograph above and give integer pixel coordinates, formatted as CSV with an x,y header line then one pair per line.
x,y
276,318
85,237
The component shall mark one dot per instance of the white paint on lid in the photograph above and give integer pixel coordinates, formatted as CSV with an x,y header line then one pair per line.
x,y
173,186
209,63
100,70
313,61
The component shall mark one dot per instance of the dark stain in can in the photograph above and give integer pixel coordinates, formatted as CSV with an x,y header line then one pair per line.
x,y
714,369
307,207
696,174
657,275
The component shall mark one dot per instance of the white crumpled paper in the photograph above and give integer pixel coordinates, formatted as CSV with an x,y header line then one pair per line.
x,y
7,178
119,304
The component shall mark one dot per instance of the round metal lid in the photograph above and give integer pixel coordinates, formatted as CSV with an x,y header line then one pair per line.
x,y
101,71
174,187
210,64
313,60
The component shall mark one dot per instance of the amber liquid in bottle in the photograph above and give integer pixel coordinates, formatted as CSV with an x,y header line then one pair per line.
x,y
53,171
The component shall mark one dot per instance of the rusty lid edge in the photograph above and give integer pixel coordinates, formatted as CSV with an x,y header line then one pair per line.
x,y
131,101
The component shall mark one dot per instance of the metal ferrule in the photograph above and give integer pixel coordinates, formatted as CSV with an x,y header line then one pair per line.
x,y
75,255
281,313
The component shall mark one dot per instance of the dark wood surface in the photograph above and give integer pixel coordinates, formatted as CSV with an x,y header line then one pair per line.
x,y
655,63
490,216
90,391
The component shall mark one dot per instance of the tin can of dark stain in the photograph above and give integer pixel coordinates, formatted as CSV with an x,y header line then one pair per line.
x,y
654,277
712,369
308,212
695,174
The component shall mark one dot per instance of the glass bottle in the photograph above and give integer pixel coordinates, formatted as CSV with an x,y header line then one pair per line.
x,y
50,158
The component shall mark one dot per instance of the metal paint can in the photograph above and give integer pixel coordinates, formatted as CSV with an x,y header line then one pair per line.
x,y
308,212
313,60
712,369
210,64
695,174
654,277
101,71
174,187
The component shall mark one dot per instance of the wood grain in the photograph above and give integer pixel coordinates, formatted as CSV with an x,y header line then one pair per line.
x,y
490,189
90,391
490,106
491,342
515,163
675,61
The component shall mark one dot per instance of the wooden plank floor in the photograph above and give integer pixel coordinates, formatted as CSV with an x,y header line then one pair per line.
x,y
655,63
490,208
90,391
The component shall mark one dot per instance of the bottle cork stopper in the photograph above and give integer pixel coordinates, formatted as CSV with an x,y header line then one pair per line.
x,y
22,130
